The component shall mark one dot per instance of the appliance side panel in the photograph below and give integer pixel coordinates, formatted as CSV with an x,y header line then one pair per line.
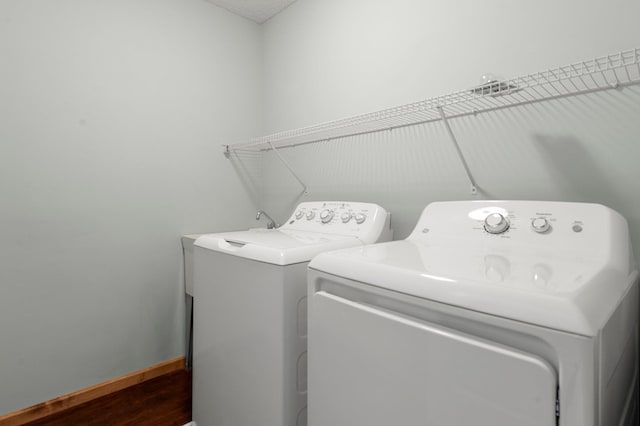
x,y
619,359
238,335
295,344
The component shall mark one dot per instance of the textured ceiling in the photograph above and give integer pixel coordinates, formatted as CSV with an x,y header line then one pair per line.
x,y
256,10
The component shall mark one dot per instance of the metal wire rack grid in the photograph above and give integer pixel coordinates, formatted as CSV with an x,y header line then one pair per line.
x,y
601,73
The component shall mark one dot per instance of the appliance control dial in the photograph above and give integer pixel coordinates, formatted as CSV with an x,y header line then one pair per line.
x,y
360,218
299,214
496,223
346,217
311,214
326,215
540,225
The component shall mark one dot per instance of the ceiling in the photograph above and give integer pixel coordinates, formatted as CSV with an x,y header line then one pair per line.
x,y
256,10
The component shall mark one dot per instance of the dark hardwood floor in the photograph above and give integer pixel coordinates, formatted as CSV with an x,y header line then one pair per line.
x,y
163,401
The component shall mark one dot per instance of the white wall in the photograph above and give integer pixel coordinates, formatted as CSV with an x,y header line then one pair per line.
x,y
335,58
111,118
330,59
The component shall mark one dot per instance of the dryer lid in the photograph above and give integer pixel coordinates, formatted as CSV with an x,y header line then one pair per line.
x,y
573,296
569,278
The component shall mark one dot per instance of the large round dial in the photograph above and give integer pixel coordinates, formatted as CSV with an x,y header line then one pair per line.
x,y
326,216
496,223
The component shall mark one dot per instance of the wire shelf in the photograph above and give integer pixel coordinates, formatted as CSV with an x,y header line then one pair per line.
x,y
606,72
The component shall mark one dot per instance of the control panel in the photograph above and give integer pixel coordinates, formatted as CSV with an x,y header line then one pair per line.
x,y
362,220
499,222
553,227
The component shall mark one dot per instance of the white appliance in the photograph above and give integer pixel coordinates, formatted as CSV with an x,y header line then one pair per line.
x,y
505,313
250,314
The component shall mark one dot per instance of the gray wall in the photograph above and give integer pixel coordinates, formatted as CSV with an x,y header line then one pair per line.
x,y
111,118
331,59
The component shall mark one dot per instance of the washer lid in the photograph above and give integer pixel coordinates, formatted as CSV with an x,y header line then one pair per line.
x,y
576,296
276,246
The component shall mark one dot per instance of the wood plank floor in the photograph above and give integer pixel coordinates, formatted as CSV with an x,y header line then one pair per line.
x,y
163,401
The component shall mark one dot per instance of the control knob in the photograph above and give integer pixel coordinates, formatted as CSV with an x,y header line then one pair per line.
x,y
311,214
346,217
496,223
360,218
326,216
299,214
540,225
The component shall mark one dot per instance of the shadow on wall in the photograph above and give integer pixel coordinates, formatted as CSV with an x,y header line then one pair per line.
x,y
574,170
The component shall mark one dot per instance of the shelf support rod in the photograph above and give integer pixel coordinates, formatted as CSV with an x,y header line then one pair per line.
x,y
474,187
293,173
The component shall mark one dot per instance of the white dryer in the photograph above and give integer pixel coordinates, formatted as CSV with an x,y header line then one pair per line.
x,y
491,313
250,313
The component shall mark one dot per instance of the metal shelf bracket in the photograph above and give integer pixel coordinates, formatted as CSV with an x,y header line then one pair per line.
x,y
474,186
305,190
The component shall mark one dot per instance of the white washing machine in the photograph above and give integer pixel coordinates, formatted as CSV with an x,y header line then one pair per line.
x,y
250,314
505,313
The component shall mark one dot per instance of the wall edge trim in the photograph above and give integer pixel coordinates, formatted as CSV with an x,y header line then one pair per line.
x,y
65,402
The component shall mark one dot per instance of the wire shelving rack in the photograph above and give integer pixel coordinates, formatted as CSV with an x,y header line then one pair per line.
x,y
601,73
606,72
